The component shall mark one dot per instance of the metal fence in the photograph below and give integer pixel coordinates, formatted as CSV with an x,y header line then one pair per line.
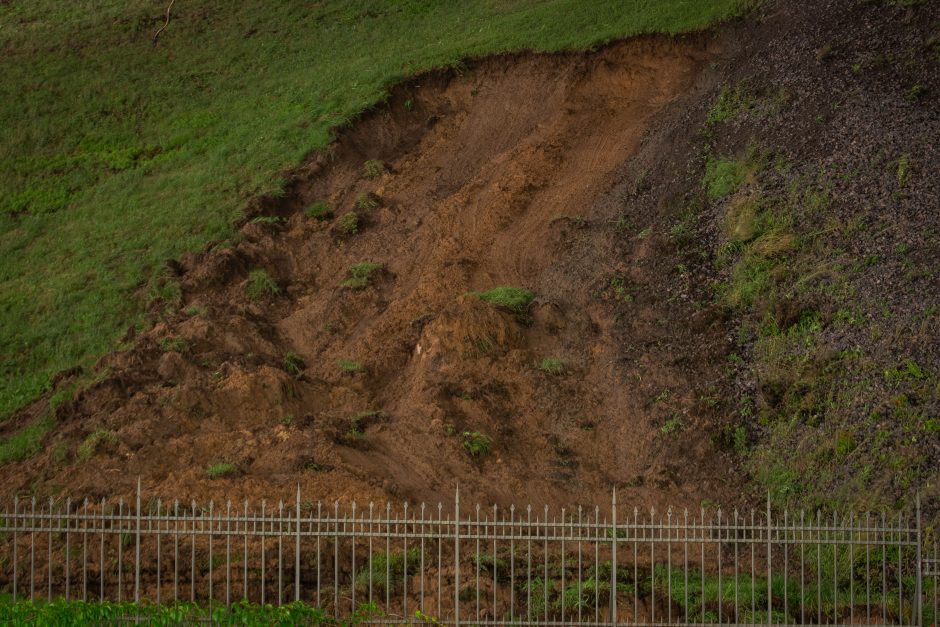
x,y
480,565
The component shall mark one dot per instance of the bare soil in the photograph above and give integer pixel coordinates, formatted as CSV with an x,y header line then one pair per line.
x,y
501,173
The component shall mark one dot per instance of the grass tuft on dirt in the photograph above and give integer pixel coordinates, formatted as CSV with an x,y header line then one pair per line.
x,y
515,299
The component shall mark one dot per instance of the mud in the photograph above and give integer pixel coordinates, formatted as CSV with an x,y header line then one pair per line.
x,y
503,173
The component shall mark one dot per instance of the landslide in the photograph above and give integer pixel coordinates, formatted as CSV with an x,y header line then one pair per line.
x,y
267,365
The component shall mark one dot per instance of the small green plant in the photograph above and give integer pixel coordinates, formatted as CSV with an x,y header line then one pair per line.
x,y
673,425
260,285
374,169
552,365
476,443
173,345
358,275
268,220
915,93
90,444
320,210
731,103
515,299
387,570
293,363
348,224
366,201
349,366
217,471
409,105
287,420
903,170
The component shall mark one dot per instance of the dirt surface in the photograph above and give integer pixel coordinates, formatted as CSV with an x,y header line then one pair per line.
x,y
513,171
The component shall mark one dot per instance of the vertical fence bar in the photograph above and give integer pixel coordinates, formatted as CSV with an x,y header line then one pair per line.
x,y
84,553
16,525
137,548
159,546
477,562
770,591
613,557
49,551
32,551
352,546
68,535
245,556
176,551
512,565
404,590
101,570
685,562
297,549
422,553
457,556
737,537
918,594
228,553
319,518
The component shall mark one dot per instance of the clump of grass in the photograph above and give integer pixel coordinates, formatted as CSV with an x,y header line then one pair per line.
x,y
903,170
260,285
476,443
26,442
552,365
673,425
293,363
287,420
515,299
223,469
173,345
348,224
90,444
268,220
387,570
320,210
731,103
366,201
373,168
359,275
349,366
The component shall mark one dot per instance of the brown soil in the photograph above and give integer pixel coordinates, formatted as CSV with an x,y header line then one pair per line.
x,y
494,175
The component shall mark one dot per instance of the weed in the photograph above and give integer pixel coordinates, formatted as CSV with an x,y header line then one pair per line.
x,y
621,225
731,103
552,365
293,363
409,105
223,469
320,210
26,442
268,220
366,201
476,443
173,345
90,444
358,275
348,224
514,299
673,425
723,177
662,396
915,93
260,285
387,570
903,170
645,233
287,420
373,168
349,366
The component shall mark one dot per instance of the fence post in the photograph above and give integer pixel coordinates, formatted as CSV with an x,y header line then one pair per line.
x,y
919,609
613,557
297,551
770,619
457,556
137,550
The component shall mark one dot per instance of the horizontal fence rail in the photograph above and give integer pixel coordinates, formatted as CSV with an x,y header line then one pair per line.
x,y
479,565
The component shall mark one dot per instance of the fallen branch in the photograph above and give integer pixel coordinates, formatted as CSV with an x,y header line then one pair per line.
x,y
165,24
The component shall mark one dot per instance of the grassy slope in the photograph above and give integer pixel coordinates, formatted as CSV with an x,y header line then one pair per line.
x,y
118,155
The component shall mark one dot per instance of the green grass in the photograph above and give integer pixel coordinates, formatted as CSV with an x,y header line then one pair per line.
x,y
293,363
359,275
348,224
320,210
26,442
476,443
63,612
386,570
513,298
118,155
552,365
260,285
90,444
223,469
349,366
